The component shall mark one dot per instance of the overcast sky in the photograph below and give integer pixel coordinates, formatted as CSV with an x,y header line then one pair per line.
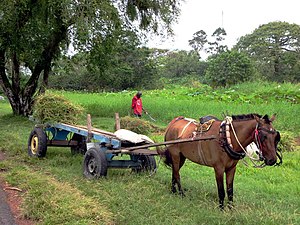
x,y
238,18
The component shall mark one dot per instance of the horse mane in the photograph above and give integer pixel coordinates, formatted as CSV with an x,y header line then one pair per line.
x,y
250,116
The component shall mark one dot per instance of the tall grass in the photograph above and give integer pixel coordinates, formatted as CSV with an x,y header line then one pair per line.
x,y
55,192
164,105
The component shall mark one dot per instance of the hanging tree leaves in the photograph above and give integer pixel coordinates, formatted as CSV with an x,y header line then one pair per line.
x,y
33,33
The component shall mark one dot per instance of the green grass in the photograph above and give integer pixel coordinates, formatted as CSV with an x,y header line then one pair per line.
x,y
55,191
164,105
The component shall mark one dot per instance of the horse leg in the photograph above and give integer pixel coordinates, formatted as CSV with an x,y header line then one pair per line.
x,y
173,188
229,185
220,183
176,162
182,160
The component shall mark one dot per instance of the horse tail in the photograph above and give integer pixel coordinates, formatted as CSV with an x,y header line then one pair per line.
x,y
165,153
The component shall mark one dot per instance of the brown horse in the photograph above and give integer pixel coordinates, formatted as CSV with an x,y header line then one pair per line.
x,y
222,153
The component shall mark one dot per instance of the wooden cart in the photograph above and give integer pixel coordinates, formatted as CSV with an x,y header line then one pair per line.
x,y
99,147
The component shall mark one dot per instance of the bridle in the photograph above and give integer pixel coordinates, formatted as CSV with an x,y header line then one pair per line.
x,y
258,141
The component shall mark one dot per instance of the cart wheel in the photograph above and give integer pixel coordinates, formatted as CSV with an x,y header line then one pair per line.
x,y
94,163
81,146
37,143
148,163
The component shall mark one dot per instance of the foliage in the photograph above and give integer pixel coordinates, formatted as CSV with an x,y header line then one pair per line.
x,y
275,48
122,68
287,142
128,67
71,73
52,108
139,126
212,46
178,65
228,68
33,34
251,92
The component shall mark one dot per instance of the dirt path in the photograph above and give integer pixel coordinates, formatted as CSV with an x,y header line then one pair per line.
x,y
10,201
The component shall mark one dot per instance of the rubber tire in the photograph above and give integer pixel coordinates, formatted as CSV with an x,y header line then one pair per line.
x,y
37,143
81,146
94,164
148,164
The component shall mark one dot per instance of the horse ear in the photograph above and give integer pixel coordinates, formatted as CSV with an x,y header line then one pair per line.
x,y
273,117
258,119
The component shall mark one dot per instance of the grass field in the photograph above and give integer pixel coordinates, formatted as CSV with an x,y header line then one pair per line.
x,y
55,191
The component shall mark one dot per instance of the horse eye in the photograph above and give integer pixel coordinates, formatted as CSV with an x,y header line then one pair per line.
x,y
263,137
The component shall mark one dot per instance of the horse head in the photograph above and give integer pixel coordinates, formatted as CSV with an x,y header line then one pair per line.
x,y
267,138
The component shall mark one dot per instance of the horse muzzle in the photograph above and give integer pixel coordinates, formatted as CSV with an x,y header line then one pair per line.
x,y
270,162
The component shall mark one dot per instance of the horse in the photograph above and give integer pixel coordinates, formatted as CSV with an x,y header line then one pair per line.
x,y
223,152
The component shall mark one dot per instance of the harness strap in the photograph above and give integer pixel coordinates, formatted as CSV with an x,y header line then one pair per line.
x,y
226,140
185,127
258,141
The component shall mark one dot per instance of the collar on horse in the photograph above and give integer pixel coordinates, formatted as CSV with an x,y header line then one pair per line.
x,y
225,140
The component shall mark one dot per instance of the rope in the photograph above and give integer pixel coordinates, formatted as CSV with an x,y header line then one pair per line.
x,y
183,130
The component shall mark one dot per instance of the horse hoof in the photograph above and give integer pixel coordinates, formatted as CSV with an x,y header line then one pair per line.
x,y
230,206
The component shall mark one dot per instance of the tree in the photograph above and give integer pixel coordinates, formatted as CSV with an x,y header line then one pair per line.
x,y
119,63
228,68
215,46
33,34
200,42
71,73
179,64
275,47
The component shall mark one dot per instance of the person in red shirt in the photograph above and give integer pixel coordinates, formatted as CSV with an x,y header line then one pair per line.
x,y
137,105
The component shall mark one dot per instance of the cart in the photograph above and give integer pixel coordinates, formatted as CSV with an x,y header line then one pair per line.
x,y
99,147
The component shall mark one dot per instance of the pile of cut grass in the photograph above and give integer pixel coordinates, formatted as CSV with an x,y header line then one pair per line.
x,y
139,126
53,108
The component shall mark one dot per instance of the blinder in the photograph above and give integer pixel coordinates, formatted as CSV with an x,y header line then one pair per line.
x,y
260,137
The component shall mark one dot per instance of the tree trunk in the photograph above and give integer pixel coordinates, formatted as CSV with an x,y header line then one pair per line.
x,y
276,69
22,98
44,85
